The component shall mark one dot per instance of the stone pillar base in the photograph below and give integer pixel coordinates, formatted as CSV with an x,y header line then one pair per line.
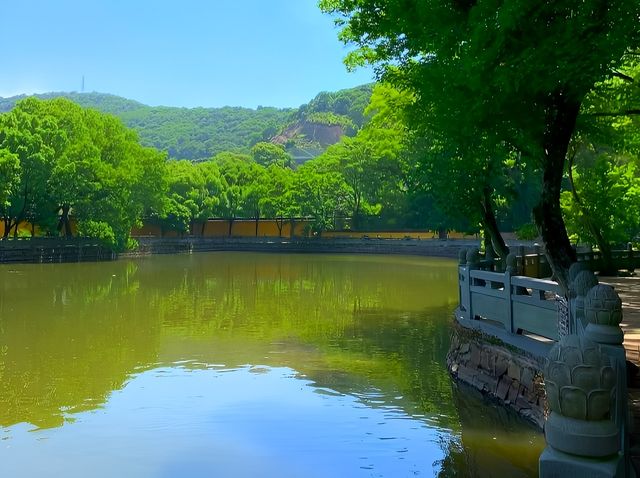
x,y
598,439
556,464
604,334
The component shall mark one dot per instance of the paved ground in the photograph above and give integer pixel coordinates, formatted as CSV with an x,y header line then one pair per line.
x,y
629,291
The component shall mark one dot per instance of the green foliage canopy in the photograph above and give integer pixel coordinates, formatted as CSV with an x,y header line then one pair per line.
x,y
73,159
514,73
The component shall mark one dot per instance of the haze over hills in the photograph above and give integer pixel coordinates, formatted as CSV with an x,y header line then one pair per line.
x,y
199,133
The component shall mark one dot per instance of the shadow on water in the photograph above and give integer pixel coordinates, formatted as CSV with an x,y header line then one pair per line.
x,y
493,440
487,440
374,329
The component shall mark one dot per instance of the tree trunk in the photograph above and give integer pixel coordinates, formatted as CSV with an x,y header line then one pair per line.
x,y
7,228
67,228
279,225
231,225
547,214
64,226
491,225
488,244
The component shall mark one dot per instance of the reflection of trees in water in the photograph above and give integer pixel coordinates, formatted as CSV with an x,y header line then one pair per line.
x,y
347,326
414,345
373,327
487,440
69,335
303,293
72,333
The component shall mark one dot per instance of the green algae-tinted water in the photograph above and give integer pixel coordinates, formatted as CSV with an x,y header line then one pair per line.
x,y
242,365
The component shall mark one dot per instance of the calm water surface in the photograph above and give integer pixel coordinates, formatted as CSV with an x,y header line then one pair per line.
x,y
242,365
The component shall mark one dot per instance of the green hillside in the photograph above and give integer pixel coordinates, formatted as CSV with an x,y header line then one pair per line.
x,y
200,133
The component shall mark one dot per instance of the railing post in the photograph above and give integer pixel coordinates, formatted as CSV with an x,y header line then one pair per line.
x,y
603,313
463,283
591,256
510,269
630,266
582,440
473,260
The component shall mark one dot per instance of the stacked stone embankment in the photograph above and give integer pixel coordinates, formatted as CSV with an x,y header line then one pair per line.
x,y
502,373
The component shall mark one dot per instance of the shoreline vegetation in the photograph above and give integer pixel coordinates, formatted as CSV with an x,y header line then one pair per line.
x,y
97,179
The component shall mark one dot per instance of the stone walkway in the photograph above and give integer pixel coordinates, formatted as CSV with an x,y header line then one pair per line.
x,y
628,289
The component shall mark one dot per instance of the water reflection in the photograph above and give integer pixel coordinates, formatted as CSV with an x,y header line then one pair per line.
x,y
68,337
133,353
222,429
493,442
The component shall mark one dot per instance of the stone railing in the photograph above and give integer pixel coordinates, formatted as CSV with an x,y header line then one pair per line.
x,y
623,259
520,310
579,337
533,263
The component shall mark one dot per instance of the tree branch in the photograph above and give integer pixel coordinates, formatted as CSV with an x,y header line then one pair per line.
x,y
622,76
631,112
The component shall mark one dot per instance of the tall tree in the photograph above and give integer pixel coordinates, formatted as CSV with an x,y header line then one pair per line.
x,y
267,154
237,172
278,201
601,204
9,176
81,162
514,73
321,193
36,140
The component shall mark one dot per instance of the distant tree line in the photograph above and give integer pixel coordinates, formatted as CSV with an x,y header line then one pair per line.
x,y
510,89
59,160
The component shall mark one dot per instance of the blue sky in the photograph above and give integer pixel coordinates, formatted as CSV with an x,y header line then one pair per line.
x,y
174,52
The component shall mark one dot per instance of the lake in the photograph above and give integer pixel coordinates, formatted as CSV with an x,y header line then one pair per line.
x,y
242,365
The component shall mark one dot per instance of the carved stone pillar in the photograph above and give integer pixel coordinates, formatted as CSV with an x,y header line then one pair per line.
x,y
581,436
473,257
576,268
462,257
567,304
603,313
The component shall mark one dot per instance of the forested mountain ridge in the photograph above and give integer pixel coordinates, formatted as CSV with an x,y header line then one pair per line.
x,y
201,133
